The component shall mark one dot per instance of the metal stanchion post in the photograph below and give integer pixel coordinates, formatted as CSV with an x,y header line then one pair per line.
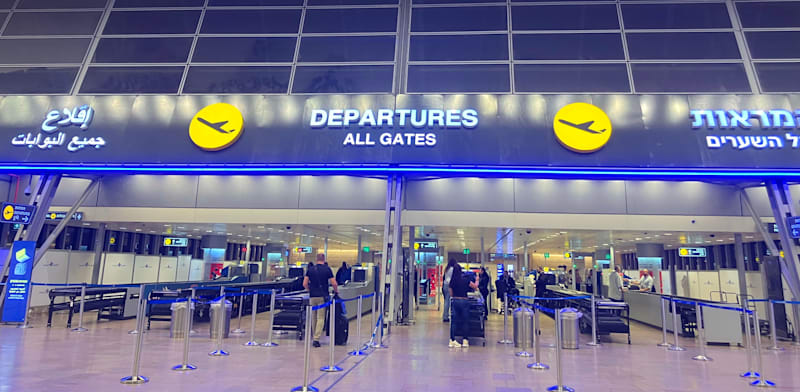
x,y
773,328
254,309
524,333
27,322
505,340
796,314
380,327
749,349
185,365
594,341
761,382
80,311
138,308
194,298
306,356
664,342
701,333
537,357
560,387
372,320
135,377
239,329
269,342
219,352
676,346
357,348
332,342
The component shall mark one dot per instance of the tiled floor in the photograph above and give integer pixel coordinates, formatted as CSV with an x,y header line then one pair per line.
x,y
55,359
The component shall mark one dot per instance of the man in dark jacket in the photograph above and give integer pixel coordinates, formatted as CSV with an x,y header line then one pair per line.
x,y
316,282
343,274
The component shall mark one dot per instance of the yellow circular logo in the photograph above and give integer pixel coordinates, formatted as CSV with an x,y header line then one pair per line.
x,y
684,252
8,212
216,127
582,127
112,241
416,246
168,241
53,216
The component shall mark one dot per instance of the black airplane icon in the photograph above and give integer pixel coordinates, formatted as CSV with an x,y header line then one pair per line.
x,y
582,126
215,126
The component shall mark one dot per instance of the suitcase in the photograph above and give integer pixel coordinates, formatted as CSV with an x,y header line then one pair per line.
x,y
342,325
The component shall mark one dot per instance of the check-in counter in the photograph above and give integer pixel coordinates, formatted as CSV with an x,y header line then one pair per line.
x,y
352,290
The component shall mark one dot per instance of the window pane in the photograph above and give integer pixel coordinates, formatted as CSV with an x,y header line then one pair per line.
x,y
344,79
344,49
356,20
142,50
6,4
37,80
157,3
682,46
52,23
456,1
3,17
701,78
152,22
237,80
274,21
565,17
568,47
350,2
262,49
473,78
779,77
774,44
568,78
769,14
458,47
459,19
50,50
55,4
676,16
132,80
234,3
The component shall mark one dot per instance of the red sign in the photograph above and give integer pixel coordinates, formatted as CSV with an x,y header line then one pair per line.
x,y
216,270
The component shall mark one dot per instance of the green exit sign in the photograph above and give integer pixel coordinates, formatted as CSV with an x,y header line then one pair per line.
x,y
547,255
466,251
366,249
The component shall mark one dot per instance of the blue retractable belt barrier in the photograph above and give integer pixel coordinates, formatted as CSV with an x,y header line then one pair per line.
x,y
550,298
723,307
369,295
166,301
787,302
322,306
758,300
339,301
239,294
81,284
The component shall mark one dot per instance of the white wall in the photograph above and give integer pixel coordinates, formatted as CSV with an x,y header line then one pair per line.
x,y
184,265
51,269
145,269
755,288
81,265
117,268
197,270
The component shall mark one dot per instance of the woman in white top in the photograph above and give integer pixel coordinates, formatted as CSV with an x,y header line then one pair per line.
x,y
448,274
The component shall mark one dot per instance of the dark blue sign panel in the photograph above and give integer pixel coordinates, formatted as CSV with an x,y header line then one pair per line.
x,y
60,215
17,213
19,279
692,252
793,223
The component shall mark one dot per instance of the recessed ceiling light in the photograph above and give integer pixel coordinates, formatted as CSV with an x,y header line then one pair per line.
x,y
166,225
667,233
209,231
260,227
196,229
87,224
123,228
181,227
152,231
638,239
138,229
748,237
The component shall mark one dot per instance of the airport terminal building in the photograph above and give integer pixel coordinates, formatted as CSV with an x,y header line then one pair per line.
x,y
155,147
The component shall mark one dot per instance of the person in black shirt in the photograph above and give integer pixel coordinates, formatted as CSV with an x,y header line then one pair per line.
x,y
459,308
483,286
316,282
343,274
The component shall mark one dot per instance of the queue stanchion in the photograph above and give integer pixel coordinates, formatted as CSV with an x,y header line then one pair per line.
x,y
559,387
380,327
80,311
331,368
194,299
701,333
524,332
749,349
252,341
185,365
269,342
357,348
675,346
239,329
761,382
135,377
537,353
27,323
664,342
138,308
306,356
372,322
594,341
219,352
505,339
773,328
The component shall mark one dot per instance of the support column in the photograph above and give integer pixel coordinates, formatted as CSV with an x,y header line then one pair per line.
x,y
780,199
483,253
359,251
397,251
410,267
387,224
248,251
741,267
326,249
99,245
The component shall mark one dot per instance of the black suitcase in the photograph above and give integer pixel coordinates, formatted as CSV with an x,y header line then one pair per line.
x,y
342,325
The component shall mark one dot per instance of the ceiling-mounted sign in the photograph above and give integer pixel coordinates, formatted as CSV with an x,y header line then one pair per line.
x,y
303,249
53,131
60,215
692,252
793,225
17,213
176,242
426,246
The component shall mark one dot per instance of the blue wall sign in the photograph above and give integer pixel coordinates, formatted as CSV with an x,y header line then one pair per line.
x,y
60,215
19,280
793,223
500,268
17,213
691,252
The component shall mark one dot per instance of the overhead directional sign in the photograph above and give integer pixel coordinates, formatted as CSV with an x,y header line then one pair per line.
x,y
692,252
176,242
302,249
60,215
426,246
17,213
793,223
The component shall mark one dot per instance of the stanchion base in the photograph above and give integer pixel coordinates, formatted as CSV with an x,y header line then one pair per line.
x,y
776,348
561,388
281,333
238,331
24,326
305,389
330,369
523,354
676,348
133,380
593,344
796,344
269,344
763,384
218,353
133,332
79,329
356,353
183,367
538,366
251,344
750,375
701,358
505,341
664,344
